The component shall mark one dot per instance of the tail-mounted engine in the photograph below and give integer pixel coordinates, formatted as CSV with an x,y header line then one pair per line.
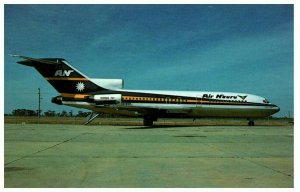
x,y
107,99
104,99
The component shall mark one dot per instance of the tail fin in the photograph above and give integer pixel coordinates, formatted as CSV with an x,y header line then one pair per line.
x,y
61,75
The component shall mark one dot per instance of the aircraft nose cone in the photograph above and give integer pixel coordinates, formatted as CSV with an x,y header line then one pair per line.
x,y
275,109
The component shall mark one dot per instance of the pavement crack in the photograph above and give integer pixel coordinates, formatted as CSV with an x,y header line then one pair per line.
x,y
262,165
42,150
254,162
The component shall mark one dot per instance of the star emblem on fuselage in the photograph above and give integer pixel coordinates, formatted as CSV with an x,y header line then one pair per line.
x,y
80,86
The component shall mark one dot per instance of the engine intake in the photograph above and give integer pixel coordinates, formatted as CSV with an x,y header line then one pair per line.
x,y
57,100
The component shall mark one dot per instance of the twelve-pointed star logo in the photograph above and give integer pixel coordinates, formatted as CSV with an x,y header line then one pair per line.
x,y
80,86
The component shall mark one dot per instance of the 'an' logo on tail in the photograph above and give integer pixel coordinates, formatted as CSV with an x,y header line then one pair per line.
x,y
63,73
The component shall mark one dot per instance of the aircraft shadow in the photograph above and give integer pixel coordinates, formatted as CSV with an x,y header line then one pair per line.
x,y
161,126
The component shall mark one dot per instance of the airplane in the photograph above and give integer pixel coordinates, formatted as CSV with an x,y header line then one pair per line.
x,y
108,96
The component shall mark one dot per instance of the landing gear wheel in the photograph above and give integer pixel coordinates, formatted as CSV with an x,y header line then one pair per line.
x,y
148,121
251,123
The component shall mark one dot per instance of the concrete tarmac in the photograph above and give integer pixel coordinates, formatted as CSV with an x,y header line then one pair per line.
x,y
131,156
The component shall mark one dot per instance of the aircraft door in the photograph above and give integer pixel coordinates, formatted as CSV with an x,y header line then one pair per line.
x,y
198,101
179,100
168,100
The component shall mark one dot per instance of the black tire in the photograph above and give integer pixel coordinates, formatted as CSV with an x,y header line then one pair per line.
x,y
251,123
148,121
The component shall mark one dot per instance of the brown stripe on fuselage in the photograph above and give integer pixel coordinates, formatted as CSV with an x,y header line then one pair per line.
x,y
179,100
75,96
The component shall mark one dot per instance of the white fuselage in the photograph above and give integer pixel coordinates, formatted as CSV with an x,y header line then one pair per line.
x,y
185,103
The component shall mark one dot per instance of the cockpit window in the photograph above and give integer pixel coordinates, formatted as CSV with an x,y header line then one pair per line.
x,y
266,101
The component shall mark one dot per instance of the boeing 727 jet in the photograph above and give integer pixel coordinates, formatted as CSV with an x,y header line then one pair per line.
x,y
108,96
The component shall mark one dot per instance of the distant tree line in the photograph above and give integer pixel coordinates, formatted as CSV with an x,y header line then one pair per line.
x,y
24,112
51,113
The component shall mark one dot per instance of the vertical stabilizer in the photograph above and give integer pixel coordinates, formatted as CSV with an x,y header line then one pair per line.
x,y
61,75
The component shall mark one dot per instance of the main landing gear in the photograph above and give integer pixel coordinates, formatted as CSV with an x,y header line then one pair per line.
x,y
148,120
251,123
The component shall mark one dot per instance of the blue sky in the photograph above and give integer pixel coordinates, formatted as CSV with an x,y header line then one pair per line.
x,y
235,48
